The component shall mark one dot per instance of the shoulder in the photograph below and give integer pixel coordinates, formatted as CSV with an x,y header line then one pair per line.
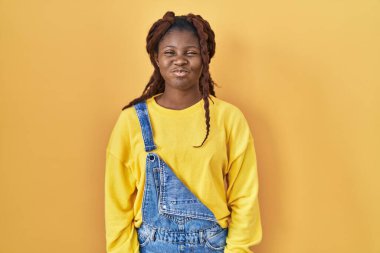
x,y
226,110
126,121
125,116
127,113
125,126
233,120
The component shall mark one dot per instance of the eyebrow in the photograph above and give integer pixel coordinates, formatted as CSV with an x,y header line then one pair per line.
x,y
184,47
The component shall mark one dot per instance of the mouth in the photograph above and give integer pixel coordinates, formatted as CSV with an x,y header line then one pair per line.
x,y
180,72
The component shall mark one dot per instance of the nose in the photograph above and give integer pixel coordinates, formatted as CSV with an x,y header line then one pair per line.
x,y
180,60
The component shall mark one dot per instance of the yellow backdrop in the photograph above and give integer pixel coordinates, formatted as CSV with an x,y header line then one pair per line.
x,y
305,74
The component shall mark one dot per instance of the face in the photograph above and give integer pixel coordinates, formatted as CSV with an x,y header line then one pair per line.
x,y
179,60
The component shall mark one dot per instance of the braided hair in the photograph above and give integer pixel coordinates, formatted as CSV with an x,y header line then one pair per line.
x,y
199,27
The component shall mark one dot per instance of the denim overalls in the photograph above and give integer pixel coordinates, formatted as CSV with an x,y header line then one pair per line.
x,y
173,219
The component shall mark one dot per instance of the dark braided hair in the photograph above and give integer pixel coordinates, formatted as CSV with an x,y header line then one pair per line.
x,y
200,28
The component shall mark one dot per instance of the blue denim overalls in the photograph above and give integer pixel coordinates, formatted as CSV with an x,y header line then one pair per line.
x,y
173,219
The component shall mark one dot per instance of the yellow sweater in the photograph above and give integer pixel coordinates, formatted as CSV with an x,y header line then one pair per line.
x,y
222,173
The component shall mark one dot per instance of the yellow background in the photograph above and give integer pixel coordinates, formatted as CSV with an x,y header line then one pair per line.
x,y
305,74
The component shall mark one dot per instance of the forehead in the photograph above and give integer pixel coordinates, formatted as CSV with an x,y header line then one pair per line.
x,y
179,38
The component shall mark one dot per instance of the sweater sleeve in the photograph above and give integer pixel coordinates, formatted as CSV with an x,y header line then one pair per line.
x,y
242,192
120,193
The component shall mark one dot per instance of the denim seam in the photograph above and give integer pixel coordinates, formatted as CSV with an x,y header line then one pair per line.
x,y
145,124
188,214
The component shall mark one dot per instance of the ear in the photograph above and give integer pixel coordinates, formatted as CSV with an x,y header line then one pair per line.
x,y
156,58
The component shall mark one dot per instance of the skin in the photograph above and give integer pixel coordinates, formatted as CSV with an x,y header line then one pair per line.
x,y
179,49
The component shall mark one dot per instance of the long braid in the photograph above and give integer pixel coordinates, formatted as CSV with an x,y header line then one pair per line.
x,y
205,76
206,37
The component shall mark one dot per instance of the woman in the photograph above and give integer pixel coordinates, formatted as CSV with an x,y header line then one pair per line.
x,y
181,172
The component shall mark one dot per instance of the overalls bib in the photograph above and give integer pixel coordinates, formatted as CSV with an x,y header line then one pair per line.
x,y
174,220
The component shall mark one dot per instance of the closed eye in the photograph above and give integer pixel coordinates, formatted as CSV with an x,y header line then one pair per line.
x,y
169,52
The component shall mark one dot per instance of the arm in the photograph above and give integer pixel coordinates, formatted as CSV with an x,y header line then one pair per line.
x,y
242,193
120,192
121,236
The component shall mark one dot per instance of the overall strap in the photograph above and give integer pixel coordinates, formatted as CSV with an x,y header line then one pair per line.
x,y
146,128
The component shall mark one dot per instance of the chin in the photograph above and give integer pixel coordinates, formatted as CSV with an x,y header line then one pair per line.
x,y
181,85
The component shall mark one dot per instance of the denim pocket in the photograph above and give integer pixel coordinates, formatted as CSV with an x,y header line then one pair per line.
x,y
177,199
217,241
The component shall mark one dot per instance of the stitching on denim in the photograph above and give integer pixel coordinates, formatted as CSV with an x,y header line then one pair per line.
x,y
197,237
145,193
145,124
189,214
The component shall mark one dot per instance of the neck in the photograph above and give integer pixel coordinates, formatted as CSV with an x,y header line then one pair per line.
x,y
178,99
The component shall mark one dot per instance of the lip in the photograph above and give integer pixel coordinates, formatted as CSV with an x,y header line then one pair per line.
x,y
180,72
180,69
